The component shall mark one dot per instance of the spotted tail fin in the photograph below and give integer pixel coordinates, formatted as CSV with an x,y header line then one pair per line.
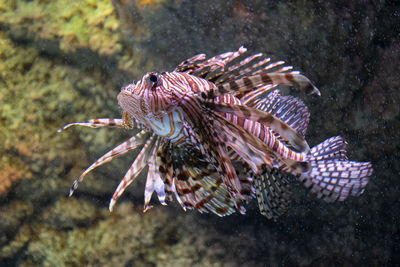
x,y
332,177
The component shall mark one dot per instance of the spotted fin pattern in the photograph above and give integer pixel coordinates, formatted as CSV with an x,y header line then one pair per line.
x,y
202,188
333,177
273,192
197,184
272,185
289,109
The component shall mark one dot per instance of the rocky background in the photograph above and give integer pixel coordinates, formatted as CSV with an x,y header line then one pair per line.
x,y
65,61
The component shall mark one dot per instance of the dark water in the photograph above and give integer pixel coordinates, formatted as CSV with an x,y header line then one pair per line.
x,y
66,61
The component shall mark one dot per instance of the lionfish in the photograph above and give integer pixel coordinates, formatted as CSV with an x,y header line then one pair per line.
x,y
214,135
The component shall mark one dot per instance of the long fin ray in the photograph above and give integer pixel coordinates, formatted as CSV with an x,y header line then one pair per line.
x,y
217,148
153,181
269,120
248,84
136,167
116,152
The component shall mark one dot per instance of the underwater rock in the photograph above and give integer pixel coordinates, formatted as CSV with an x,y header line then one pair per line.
x,y
124,238
21,238
76,24
12,216
70,213
40,95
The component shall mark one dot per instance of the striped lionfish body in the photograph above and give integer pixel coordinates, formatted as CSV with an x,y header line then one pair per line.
x,y
213,138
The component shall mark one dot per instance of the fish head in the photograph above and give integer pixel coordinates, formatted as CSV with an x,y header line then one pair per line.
x,y
150,100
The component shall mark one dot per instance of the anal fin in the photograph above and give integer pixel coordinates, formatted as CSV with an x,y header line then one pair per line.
x,y
272,192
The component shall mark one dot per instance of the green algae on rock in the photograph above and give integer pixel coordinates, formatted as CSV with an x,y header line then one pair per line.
x,y
38,95
124,238
89,23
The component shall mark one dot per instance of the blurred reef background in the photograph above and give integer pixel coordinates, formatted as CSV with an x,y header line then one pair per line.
x,y
65,61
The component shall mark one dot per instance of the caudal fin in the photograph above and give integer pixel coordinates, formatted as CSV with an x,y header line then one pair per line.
x,y
332,176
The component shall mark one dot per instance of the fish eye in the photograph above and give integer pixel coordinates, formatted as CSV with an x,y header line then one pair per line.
x,y
153,78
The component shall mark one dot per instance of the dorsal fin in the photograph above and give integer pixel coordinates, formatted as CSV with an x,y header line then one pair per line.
x,y
250,83
289,109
